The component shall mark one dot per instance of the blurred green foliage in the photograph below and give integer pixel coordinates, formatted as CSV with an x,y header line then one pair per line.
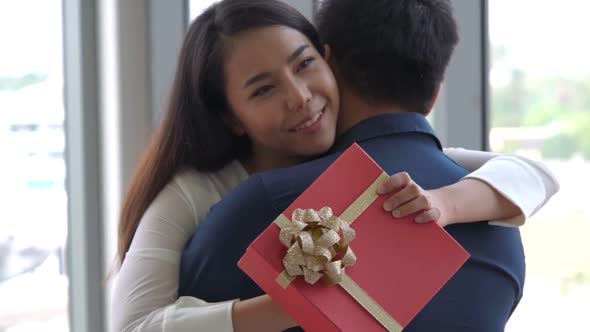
x,y
16,83
532,101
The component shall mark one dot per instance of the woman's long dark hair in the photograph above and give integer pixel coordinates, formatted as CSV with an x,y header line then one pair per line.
x,y
193,134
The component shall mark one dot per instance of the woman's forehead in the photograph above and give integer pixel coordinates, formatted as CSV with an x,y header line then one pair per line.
x,y
258,48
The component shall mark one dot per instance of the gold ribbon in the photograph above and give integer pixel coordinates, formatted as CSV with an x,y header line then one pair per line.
x,y
289,228
317,243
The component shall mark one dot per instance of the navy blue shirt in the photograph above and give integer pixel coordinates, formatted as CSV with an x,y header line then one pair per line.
x,y
480,296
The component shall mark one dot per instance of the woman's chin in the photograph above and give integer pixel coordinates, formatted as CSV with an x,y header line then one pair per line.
x,y
317,149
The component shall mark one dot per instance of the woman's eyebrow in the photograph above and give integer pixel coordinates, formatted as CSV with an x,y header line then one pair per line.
x,y
256,78
265,75
297,53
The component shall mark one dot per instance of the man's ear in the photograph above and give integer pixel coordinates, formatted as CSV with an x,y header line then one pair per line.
x,y
329,58
434,99
327,52
234,125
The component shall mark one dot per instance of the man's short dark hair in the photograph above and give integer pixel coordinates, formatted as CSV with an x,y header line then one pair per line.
x,y
391,51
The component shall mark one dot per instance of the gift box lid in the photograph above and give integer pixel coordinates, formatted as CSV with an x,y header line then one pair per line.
x,y
401,265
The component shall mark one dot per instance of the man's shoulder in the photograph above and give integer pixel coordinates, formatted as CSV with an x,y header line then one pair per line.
x,y
249,191
286,184
301,172
277,188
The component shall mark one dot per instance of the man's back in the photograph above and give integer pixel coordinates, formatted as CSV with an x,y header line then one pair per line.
x,y
480,297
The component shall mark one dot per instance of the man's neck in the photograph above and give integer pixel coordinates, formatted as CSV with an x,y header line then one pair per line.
x,y
354,109
263,161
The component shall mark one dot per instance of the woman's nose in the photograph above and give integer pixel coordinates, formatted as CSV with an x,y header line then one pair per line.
x,y
298,95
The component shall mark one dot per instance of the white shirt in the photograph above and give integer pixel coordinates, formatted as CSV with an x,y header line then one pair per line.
x,y
145,297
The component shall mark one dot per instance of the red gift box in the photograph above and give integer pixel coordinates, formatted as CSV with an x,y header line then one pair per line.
x,y
400,265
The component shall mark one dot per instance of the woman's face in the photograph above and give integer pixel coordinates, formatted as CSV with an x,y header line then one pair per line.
x,y
283,94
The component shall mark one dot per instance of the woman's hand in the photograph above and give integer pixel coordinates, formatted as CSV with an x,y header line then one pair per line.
x,y
260,314
409,198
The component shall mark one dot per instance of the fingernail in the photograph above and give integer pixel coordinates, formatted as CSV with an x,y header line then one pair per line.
x,y
421,220
396,213
380,190
387,207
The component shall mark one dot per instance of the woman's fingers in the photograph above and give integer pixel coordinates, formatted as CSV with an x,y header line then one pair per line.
x,y
430,215
407,194
421,203
394,183
409,198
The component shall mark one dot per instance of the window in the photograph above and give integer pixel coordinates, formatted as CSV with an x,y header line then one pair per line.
x,y
196,7
33,225
540,107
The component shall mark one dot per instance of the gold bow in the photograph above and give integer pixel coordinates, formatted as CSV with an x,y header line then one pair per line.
x,y
347,217
317,243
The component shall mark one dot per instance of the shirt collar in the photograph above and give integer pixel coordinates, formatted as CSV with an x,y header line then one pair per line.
x,y
385,125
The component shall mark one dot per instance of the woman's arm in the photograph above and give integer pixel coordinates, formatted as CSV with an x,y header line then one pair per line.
x,y
260,314
472,200
513,188
524,182
146,289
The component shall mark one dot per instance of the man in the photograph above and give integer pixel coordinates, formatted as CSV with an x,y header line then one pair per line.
x,y
389,57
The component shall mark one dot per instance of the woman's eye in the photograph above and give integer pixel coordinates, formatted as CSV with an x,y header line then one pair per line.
x,y
305,63
262,90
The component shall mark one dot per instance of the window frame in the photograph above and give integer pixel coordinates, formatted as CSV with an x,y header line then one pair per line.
x,y
84,241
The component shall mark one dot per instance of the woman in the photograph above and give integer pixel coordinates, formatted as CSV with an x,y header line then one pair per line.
x,y
218,129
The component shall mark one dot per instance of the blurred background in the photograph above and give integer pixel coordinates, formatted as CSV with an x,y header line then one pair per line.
x,y
98,72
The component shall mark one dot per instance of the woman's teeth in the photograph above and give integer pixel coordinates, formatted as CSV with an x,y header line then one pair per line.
x,y
311,122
